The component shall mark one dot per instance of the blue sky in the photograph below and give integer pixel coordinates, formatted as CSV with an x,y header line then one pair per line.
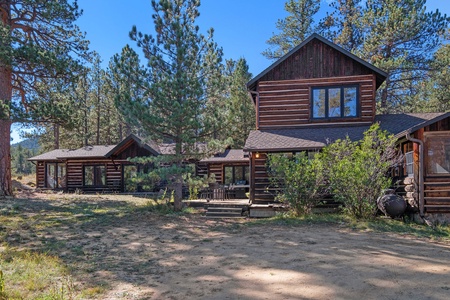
x,y
241,26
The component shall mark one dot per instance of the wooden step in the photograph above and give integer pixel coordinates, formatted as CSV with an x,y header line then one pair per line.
x,y
224,212
223,209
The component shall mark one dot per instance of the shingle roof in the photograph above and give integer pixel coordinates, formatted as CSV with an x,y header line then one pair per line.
x,y
300,138
229,155
109,150
317,137
51,155
400,124
88,151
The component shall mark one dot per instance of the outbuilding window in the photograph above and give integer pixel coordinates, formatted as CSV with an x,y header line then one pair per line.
x,y
334,102
55,175
236,174
94,175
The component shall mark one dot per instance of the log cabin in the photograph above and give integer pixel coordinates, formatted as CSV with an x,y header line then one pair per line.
x,y
93,168
319,92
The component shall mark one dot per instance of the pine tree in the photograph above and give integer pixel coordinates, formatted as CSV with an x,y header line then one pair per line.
x,y
37,39
297,26
344,25
128,82
440,79
241,116
173,104
400,38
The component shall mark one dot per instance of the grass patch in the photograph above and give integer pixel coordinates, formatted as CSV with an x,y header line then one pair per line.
x,y
32,243
400,227
164,208
379,224
34,275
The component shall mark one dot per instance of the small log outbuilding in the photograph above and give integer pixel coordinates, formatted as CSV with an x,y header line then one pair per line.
x,y
92,168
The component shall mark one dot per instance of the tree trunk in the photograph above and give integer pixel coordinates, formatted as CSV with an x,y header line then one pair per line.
x,y
5,158
384,97
178,186
120,132
5,132
56,135
178,194
97,140
5,120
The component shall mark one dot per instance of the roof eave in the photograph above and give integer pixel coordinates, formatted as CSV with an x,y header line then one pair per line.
x,y
282,149
422,125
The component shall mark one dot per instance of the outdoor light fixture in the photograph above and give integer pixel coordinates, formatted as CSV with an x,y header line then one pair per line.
x,y
257,155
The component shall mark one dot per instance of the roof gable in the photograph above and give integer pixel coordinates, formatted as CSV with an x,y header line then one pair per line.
x,y
149,146
317,57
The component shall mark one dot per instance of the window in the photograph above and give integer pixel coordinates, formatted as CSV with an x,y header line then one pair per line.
x,y
409,164
55,175
94,175
236,174
437,153
334,102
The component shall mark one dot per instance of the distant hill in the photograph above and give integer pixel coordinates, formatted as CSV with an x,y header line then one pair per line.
x,y
31,144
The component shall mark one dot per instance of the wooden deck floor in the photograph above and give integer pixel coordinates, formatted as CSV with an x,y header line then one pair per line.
x,y
203,202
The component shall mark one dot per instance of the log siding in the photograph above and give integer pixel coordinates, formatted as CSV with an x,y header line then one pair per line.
x,y
287,103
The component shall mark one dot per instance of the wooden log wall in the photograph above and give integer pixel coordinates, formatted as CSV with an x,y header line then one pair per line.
x,y
287,103
40,175
113,175
259,182
201,169
217,170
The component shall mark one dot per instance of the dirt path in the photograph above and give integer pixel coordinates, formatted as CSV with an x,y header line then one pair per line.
x,y
146,256
191,259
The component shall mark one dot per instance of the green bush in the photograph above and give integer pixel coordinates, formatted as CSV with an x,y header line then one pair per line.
x,y
355,173
298,180
358,171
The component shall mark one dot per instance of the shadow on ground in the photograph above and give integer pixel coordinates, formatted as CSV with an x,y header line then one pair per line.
x,y
136,254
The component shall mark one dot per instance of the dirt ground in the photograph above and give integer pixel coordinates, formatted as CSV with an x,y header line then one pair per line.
x,y
143,255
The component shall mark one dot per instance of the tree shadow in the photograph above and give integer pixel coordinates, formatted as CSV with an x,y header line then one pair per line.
x,y
147,255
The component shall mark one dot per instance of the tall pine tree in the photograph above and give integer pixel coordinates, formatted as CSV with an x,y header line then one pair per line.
x,y
180,59
37,39
400,38
297,26
241,110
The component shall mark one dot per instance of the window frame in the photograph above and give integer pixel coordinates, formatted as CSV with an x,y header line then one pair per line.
x,y
234,173
342,102
409,164
59,176
94,178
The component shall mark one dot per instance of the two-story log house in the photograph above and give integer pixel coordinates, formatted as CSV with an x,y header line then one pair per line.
x,y
319,92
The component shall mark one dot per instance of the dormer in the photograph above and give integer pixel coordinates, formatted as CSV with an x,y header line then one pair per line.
x,y
316,83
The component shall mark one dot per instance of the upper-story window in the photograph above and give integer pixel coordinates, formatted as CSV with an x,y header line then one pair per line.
x,y
334,102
